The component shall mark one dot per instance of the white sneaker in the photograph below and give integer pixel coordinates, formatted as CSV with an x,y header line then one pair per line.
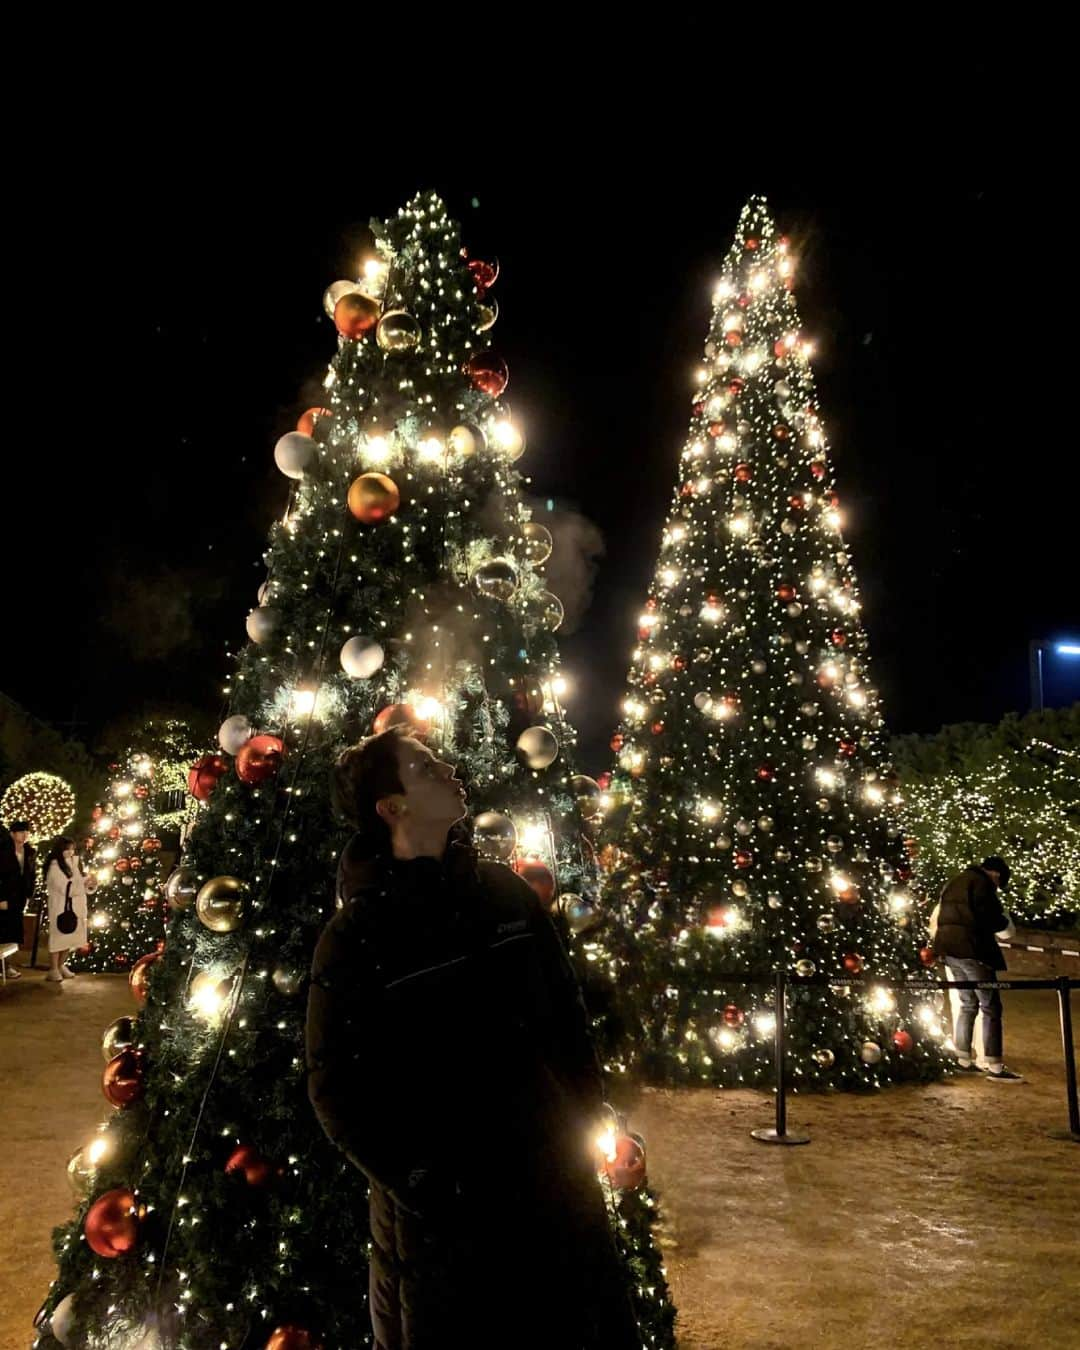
x,y
54,977
67,972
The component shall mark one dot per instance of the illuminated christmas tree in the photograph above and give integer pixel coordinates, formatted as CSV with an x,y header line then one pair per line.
x,y
763,828
404,587
127,911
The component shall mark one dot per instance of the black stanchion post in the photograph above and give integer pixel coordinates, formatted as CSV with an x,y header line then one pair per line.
x,y
779,1133
1065,1004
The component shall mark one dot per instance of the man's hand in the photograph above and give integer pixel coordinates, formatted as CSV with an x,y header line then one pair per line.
x,y
3,904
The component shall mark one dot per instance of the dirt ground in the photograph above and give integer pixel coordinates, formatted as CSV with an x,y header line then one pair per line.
x,y
921,1217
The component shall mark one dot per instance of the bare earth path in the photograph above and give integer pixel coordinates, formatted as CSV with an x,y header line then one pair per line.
x,y
921,1217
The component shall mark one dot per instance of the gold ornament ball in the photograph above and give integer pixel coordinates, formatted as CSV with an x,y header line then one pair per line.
x,y
538,542
398,331
551,611
80,1173
580,914
466,440
220,904
824,1057
587,792
497,578
119,1035
181,888
373,497
495,835
538,747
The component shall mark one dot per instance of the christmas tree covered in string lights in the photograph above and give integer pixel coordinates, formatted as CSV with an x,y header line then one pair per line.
x,y
137,823
127,910
763,826
404,586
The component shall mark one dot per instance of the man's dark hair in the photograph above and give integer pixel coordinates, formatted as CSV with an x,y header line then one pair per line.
x,y
362,776
1000,866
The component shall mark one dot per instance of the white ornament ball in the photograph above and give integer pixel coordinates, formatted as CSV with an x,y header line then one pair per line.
x,y
334,292
361,657
870,1052
262,623
62,1322
234,733
294,454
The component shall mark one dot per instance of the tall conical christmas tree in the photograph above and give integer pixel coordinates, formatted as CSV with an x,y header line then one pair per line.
x,y
127,910
404,586
763,824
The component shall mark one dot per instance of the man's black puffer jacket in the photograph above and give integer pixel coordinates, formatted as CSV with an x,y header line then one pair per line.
x,y
449,1057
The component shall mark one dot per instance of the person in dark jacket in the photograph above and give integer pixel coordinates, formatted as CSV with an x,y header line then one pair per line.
x,y
17,873
449,1058
969,915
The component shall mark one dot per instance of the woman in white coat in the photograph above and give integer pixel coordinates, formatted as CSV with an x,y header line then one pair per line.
x,y
67,889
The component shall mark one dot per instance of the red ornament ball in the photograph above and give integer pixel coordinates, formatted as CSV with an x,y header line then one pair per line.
x,y
306,422
139,977
817,468
733,338
780,347
122,1081
259,759
484,275
751,244
254,1167
927,957
488,372
97,813
742,473
355,314
849,895
114,833
786,592
743,858
121,865
603,781
657,728
400,715
142,792
853,963
733,1015
735,386
617,742
838,637
678,663
112,1224
626,1170
845,748
293,1338
903,1041
765,773
780,431
203,776
539,877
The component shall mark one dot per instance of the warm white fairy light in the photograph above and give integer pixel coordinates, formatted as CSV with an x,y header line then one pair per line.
x,y
303,702
209,995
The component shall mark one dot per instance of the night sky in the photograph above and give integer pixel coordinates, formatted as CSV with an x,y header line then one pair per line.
x,y
173,328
